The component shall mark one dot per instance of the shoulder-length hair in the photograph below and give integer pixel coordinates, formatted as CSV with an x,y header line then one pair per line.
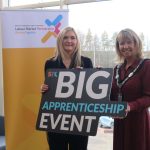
x,y
62,54
130,35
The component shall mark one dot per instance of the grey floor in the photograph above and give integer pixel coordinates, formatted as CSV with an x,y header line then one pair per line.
x,y
102,141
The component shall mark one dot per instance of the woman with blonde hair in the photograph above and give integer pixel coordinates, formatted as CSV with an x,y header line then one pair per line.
x,y
131,85
67,56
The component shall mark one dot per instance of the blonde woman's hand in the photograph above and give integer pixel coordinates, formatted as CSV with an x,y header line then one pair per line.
x,y
98,67
44,88
79,67
128,109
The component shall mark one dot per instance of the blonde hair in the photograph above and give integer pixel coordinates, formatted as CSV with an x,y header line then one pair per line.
x,y
61,53
131,35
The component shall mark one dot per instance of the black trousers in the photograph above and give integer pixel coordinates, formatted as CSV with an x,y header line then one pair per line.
x,y
59,141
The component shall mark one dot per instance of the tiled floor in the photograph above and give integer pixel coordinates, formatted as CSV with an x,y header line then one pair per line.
x,y
102,141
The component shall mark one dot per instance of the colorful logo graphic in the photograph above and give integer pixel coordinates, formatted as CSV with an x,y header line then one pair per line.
x,y
54,28
52,74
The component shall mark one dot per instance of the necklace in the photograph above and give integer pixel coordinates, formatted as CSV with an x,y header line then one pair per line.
x,y
121,83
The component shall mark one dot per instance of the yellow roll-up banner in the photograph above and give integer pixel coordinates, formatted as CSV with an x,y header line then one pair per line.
x,y
28,39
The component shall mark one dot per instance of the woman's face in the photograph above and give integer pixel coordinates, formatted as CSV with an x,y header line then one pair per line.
x,y
69,42
127,48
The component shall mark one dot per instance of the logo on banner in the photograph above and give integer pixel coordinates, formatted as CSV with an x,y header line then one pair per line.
x,y
53,28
